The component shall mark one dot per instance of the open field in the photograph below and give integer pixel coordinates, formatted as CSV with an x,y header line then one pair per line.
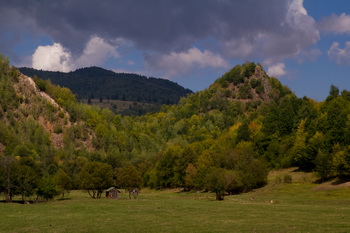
x,y
300,206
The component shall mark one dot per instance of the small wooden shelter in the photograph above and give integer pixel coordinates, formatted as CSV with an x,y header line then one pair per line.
x,y
112,193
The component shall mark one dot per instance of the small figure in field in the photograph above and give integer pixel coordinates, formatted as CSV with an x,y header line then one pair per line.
x,y
133,193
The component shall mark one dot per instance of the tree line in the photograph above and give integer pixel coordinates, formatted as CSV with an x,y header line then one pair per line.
x,y
216,139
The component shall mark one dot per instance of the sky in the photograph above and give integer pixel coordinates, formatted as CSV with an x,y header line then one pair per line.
x,y
305,44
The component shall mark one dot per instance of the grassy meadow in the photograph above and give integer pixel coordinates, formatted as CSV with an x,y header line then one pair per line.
x,y
300,206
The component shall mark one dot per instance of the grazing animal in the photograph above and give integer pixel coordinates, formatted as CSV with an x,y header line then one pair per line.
x,y
133,193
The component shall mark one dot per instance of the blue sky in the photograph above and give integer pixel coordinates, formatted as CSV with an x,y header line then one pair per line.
x,y
303,43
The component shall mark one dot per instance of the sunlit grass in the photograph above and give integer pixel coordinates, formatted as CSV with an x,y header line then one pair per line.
x,y
295,207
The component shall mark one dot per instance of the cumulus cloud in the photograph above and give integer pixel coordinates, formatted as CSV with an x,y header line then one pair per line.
x,y
183,62
97,50
57,58
52,57
338,24
298,32
277,70
341,56
265,29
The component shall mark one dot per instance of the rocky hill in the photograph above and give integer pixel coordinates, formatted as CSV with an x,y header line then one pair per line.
x,y
223,139
250,83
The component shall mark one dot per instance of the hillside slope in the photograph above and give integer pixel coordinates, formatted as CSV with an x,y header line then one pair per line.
x,y
98,83
223,139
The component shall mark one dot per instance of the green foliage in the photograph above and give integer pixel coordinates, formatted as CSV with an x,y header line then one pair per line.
x,y
333,92
207,139
244,91
190,177
47,188
234,76
8,97
249,69
95,177
341,161
41,84
63,181
215,182
128,177
26,181
8,176
87,83
324,166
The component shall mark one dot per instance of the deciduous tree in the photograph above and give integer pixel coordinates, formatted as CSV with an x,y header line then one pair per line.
x,y
95,177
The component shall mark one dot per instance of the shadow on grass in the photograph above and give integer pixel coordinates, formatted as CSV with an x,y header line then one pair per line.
x,y
306,170
333,181
21,202
64,199
341,181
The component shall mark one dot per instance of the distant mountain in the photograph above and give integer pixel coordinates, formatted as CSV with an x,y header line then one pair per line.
x,y
98,83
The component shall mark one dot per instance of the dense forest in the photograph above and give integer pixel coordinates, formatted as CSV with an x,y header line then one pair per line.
x,y
98,83
223,139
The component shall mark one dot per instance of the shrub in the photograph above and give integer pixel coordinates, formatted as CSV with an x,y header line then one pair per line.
x,y
287,178
249,69
245,92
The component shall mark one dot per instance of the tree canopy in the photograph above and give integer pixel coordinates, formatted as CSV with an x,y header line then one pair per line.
x,y
223,139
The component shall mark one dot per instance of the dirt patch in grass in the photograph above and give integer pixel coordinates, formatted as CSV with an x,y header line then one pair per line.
x,y
333,184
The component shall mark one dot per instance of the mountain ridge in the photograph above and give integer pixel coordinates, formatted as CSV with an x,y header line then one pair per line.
x,y
96,82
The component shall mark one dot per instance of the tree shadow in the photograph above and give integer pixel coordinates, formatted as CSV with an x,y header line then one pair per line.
x,y
306,170
64,199
341,180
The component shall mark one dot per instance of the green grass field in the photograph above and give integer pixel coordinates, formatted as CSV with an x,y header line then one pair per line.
x,y
300,206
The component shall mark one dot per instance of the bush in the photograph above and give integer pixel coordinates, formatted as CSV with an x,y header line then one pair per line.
x,y
249,69
57,129
244,92
287,178
255,83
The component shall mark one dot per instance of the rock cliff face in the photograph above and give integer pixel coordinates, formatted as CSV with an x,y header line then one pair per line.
x,y
40,107
254,88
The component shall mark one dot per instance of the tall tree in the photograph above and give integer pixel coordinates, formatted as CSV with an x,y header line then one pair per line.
x,y
128,177
63,181
95,177
8,172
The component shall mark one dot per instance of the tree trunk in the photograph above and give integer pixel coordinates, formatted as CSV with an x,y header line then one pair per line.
x,y
92,193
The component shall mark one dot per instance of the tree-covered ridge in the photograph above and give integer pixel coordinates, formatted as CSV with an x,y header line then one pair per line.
x,y
212,140
98,83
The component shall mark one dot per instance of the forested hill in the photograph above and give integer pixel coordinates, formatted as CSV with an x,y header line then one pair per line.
x,y
98,83
223,139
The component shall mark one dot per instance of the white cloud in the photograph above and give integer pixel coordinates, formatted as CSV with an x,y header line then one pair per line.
x,y
276,70
183,62
57,58
52,57
266,30
341,56
338,24
97,50
298,31
290,37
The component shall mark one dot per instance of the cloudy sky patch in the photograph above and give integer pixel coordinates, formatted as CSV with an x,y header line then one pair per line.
x,y
180,39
